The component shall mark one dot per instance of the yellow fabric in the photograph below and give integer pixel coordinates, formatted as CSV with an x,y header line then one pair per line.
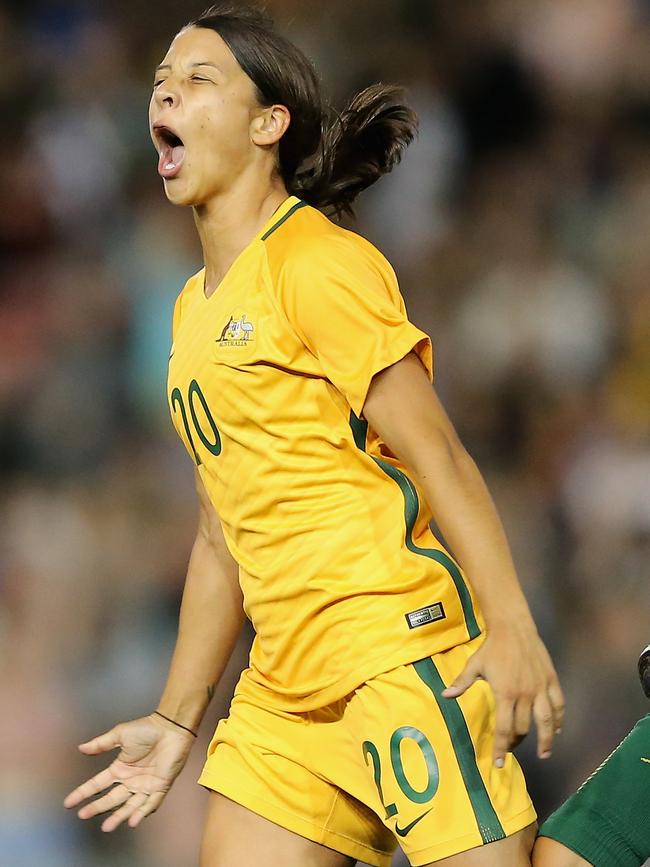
x,y
314,772
263,377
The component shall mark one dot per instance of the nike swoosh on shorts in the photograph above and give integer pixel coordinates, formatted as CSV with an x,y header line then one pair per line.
x,y
402,832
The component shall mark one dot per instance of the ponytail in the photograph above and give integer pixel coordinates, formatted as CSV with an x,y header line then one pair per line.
x,y
357,147
325,158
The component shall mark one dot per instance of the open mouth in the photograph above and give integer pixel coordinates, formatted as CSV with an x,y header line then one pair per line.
x,y
171,150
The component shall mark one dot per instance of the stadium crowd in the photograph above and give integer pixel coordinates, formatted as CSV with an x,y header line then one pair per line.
x,y
518,224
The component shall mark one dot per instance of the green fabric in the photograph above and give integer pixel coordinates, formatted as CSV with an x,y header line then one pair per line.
x,y
411,511
433,772
282,220
486,817
607,821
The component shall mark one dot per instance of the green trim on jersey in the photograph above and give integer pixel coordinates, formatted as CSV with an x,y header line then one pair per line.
x,y
486,817
411,511
277,225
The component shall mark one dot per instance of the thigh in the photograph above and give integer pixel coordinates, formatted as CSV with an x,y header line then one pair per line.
x,y
273,765
550,853
427,766
234,836
512,851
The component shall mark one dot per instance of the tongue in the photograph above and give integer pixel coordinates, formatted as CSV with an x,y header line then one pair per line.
x,y
172,157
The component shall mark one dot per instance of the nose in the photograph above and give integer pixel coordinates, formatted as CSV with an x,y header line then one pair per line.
x,y
166,95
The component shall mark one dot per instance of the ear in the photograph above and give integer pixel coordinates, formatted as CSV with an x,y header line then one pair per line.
x,y
269,125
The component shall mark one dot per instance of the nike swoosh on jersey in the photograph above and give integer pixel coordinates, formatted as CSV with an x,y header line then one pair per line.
x,y
402,832
645,760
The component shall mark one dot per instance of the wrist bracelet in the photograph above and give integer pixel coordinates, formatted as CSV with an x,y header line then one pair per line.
x,y
173,721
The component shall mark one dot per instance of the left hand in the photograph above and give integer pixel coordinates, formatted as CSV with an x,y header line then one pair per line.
x,y
516,664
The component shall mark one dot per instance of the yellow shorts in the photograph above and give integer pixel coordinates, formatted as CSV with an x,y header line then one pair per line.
x,y
392,763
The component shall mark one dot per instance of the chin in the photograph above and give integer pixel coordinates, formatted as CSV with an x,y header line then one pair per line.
x,y
178,195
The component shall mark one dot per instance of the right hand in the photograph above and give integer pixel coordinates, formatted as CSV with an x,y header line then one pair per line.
x,y
516,664
153,753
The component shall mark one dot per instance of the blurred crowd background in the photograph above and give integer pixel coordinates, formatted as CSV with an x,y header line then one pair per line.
x,y
518,224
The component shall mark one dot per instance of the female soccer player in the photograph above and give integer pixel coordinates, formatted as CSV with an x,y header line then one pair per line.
x,y
384,688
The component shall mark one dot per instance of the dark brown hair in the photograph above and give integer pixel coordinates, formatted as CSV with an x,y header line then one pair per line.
x,y
326,158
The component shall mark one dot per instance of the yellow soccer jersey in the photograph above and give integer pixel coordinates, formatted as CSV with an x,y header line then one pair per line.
x,y
341,576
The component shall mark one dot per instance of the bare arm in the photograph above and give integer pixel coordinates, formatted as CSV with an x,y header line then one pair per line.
x,y
211,617
406,413
152,750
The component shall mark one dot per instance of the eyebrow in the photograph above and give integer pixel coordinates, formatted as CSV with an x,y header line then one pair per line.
x,y
192,65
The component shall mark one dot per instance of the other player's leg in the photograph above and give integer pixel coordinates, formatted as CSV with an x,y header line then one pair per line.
x,y
550,853
234,836
606,820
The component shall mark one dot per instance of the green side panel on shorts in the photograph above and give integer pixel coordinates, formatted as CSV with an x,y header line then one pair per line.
x,y
359,430
486,817
282,220
411,510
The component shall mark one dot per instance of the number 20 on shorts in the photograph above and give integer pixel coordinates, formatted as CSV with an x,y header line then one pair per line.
x,y
417,796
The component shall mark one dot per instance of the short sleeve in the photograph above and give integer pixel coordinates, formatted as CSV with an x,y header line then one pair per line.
x,y
342,299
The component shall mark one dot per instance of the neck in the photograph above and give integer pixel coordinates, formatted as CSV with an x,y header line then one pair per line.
x,y
229,221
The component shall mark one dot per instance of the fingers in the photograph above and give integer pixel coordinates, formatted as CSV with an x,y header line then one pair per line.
x,y
91,787
138,807
545,722
514,721
465,679
547,708
134,806
117,795
152,804
556,697
522,718
135,802
102,743
503,735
